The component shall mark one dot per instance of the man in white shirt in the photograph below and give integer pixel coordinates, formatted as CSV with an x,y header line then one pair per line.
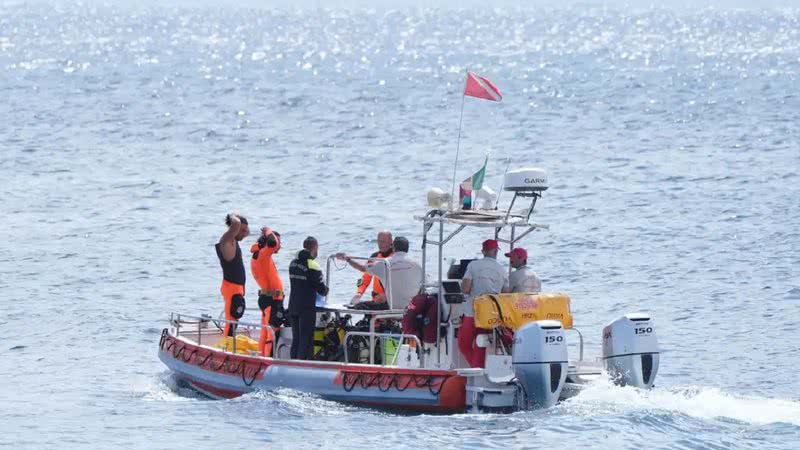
x,y
523,279
483,276
406,274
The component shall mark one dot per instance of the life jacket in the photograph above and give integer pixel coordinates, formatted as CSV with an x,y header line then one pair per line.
x,y
367,278
263,267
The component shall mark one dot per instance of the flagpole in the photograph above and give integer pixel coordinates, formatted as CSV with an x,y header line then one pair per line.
x,y
502,186
458,140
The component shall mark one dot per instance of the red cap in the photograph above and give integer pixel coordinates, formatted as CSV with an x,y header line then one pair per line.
x,y
519,252
490,244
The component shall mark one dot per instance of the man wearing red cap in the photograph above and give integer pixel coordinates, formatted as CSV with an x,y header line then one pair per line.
x,y
523,279
483,276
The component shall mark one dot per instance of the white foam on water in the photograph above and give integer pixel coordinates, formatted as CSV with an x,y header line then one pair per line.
x,y
694,401
165,389
299,402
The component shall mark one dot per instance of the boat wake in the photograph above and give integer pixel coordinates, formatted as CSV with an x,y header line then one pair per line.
x,y
301,403
167,388
602,397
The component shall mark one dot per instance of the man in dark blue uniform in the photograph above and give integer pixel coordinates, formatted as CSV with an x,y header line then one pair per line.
x,y
305,276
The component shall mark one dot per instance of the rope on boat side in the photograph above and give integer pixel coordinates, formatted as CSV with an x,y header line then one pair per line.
x,y
169,345
385,381
191,355
179,352
224,361
255,374
208,357
441,386
356,379
239,368
392,380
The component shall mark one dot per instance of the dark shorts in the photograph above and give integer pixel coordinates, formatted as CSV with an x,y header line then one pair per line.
x,y
277,316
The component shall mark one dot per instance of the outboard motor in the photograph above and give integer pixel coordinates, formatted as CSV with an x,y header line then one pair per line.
x,y
630,350
540,361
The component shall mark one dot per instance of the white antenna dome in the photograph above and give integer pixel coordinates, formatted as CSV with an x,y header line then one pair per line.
x,y
530,179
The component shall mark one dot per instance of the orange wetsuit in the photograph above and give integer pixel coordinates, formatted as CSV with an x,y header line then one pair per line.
x,y
270,293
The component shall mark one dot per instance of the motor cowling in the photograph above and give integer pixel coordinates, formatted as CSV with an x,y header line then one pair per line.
x,y
539,361
630,350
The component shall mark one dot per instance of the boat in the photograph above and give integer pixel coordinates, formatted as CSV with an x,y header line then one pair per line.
x,y
534,353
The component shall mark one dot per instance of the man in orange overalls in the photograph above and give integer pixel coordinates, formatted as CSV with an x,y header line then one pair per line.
x,y
233,274
385,250
270,293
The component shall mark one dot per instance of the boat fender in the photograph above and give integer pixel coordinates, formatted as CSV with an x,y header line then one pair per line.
x,y
237,306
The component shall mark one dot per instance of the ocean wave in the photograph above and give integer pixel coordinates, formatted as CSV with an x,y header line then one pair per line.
x,y
694,401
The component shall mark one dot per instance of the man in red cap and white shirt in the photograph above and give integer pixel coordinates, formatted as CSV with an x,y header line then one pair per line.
x,y
483,276
523,279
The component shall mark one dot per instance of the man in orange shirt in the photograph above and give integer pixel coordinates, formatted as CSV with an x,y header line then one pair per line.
x,y
270,292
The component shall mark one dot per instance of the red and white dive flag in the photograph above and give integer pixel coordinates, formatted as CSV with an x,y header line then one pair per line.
x,y
480,87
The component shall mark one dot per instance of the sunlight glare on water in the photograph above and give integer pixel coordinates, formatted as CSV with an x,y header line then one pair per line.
x,y
670,138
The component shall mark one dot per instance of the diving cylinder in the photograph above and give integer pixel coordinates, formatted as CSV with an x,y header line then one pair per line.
x,y
630,350
539,361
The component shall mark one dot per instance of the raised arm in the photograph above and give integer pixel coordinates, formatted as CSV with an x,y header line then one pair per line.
x,y
378,269
354,264
227,242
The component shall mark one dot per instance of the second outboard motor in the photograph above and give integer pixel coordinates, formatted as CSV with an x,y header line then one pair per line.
x,y
540,361
630,350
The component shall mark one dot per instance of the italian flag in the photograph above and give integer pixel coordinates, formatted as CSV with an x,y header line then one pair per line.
x,y
470,187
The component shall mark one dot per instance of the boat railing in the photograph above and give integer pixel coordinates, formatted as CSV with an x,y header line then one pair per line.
x,y
177,320
400,337
580,341
372,322
387,283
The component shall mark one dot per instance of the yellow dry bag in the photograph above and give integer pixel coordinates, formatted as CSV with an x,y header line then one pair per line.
x,y
515,310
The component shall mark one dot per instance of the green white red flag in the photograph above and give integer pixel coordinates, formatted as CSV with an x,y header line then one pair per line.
x,y
470,187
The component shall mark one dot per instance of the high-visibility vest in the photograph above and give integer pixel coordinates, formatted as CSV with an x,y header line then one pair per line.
x,y
367,278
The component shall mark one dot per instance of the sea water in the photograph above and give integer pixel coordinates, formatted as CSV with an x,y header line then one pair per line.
x,y
128,131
